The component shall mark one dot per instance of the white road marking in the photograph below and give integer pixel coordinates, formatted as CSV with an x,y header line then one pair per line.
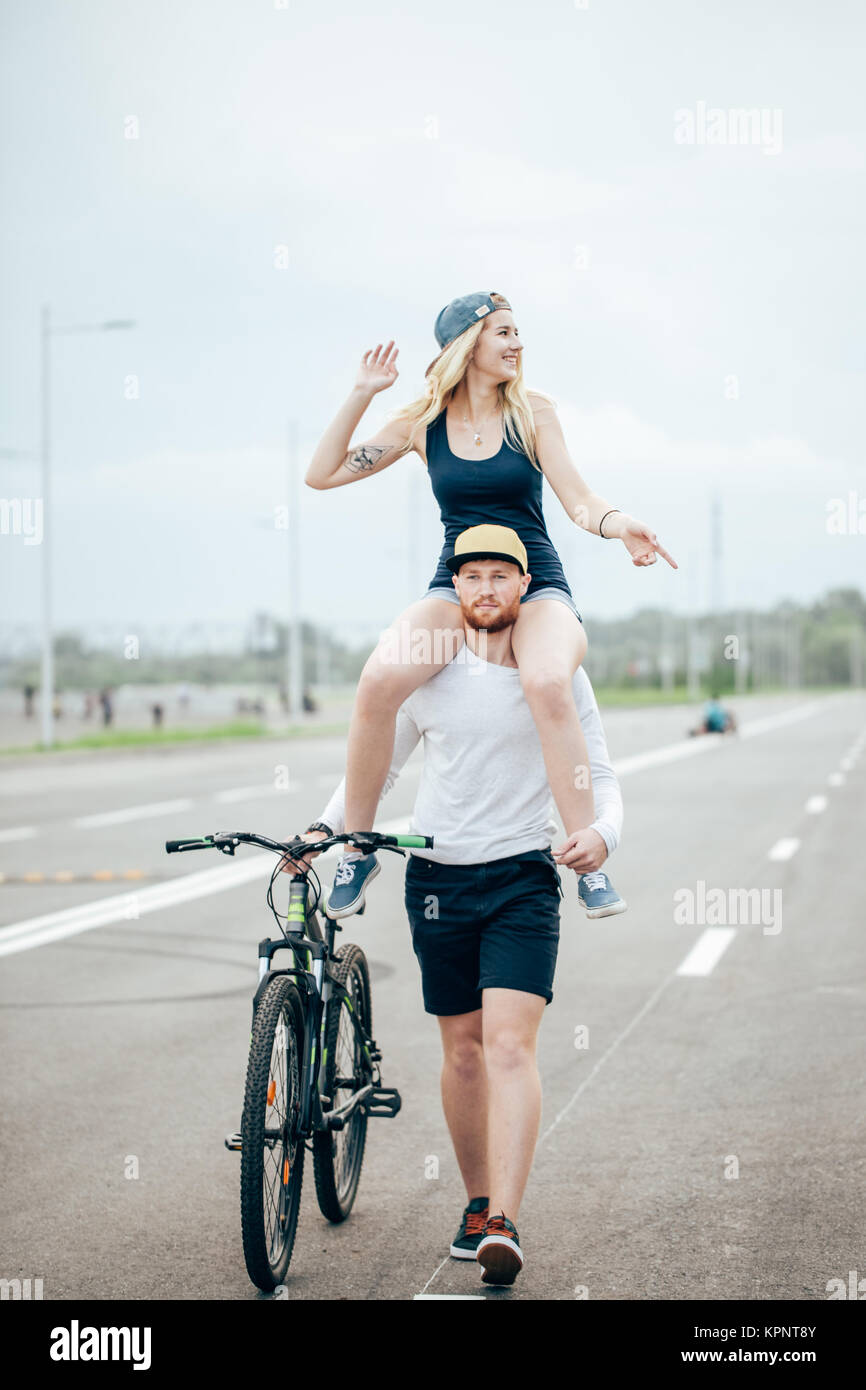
x,y
784,849
707,951
418,1296
127,907
21,832
777,721
836,779
847,764
103,912
156,808
816,804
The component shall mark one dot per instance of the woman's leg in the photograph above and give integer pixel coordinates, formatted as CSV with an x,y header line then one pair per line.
x,y
423,639
549,643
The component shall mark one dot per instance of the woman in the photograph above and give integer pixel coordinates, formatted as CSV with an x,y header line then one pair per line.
x,y
487,443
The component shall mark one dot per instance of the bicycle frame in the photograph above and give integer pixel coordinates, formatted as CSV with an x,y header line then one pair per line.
x,y
319,985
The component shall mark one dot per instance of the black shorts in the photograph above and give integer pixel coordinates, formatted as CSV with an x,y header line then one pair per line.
x,y
477,926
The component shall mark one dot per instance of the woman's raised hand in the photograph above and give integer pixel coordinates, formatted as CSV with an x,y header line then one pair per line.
x,y
641,542
378,369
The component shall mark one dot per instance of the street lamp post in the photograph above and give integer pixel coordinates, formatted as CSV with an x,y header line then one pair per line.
x,y
47,332
294,650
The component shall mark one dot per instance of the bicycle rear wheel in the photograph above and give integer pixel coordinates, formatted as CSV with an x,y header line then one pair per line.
x,y
272,1154
339,1154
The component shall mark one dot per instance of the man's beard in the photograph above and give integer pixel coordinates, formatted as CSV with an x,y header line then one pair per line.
x,y
487,622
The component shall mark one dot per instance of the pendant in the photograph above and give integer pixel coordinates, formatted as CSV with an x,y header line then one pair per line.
x,y
478,440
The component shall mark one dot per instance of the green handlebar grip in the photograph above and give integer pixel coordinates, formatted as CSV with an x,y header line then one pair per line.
x,y
415,841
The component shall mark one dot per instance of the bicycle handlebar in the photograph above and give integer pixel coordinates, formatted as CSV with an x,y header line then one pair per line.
x,y
226,840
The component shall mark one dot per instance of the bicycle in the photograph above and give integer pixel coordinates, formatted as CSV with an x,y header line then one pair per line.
x,y
313,1075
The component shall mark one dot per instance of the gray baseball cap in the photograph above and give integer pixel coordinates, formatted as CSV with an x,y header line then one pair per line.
x,y
460,314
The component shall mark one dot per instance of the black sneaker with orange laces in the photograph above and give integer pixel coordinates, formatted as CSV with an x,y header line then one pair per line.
x,y
499,1251
465,1243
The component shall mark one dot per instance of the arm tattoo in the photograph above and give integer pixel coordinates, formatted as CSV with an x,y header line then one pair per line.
x,y
365,457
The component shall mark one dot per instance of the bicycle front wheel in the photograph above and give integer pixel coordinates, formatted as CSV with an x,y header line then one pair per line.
x,y
338,1154
272,1153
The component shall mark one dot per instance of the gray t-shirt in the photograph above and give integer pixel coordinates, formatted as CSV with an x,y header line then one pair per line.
x,y
484,793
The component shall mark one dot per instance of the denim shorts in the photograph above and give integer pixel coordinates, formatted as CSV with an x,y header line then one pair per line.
x,y
481,926
551,591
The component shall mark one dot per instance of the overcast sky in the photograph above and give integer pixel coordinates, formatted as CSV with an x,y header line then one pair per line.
x,y
696,309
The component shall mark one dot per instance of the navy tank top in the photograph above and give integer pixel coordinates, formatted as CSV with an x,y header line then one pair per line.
x,y
505,490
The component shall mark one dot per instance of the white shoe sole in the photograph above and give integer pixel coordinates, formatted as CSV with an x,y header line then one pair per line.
x,y
501,1259
458,1253
610,911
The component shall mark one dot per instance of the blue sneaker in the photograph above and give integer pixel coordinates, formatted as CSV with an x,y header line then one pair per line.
x,y
599,896
350,884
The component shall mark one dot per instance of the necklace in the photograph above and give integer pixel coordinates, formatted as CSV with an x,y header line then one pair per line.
x,y
476,433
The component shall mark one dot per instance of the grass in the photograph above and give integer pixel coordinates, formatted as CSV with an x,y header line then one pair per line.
x,y
132,738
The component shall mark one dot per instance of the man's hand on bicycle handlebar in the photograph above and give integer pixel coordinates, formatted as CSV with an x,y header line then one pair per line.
x,y
296,866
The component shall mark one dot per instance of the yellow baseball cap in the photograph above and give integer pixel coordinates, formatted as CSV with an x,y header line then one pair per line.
x,y
488,543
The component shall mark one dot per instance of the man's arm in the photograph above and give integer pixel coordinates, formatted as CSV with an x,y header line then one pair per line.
x,y
605,784
406,740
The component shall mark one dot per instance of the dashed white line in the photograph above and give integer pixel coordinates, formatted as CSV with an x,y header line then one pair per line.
x,y
20,832
784,849
836,779
707,951
156,808
816,804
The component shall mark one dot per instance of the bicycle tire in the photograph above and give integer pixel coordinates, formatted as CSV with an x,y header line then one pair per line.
x,y
268,1226
339,1154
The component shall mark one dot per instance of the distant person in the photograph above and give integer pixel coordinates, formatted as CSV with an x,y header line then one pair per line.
x,y
157,712
107,706
308,703
57,706
716,720
29,692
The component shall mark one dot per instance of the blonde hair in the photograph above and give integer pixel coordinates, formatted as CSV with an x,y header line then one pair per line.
x,y
444,376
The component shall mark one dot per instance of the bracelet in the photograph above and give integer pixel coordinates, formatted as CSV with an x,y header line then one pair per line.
x,y
601,523
319,825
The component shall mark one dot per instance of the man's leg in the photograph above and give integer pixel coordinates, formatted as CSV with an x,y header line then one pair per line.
x,y
510,1019
464,1097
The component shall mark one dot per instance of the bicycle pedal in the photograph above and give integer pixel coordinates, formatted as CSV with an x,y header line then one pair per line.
x,y
385,1102
233,1141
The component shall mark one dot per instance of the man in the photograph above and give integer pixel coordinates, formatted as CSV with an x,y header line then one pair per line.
x,y
483,903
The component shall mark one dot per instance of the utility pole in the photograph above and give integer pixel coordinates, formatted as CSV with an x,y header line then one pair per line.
x,y
47,699
294,652
47,332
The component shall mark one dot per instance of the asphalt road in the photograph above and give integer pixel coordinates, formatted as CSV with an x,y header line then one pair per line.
x,y
708,1143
